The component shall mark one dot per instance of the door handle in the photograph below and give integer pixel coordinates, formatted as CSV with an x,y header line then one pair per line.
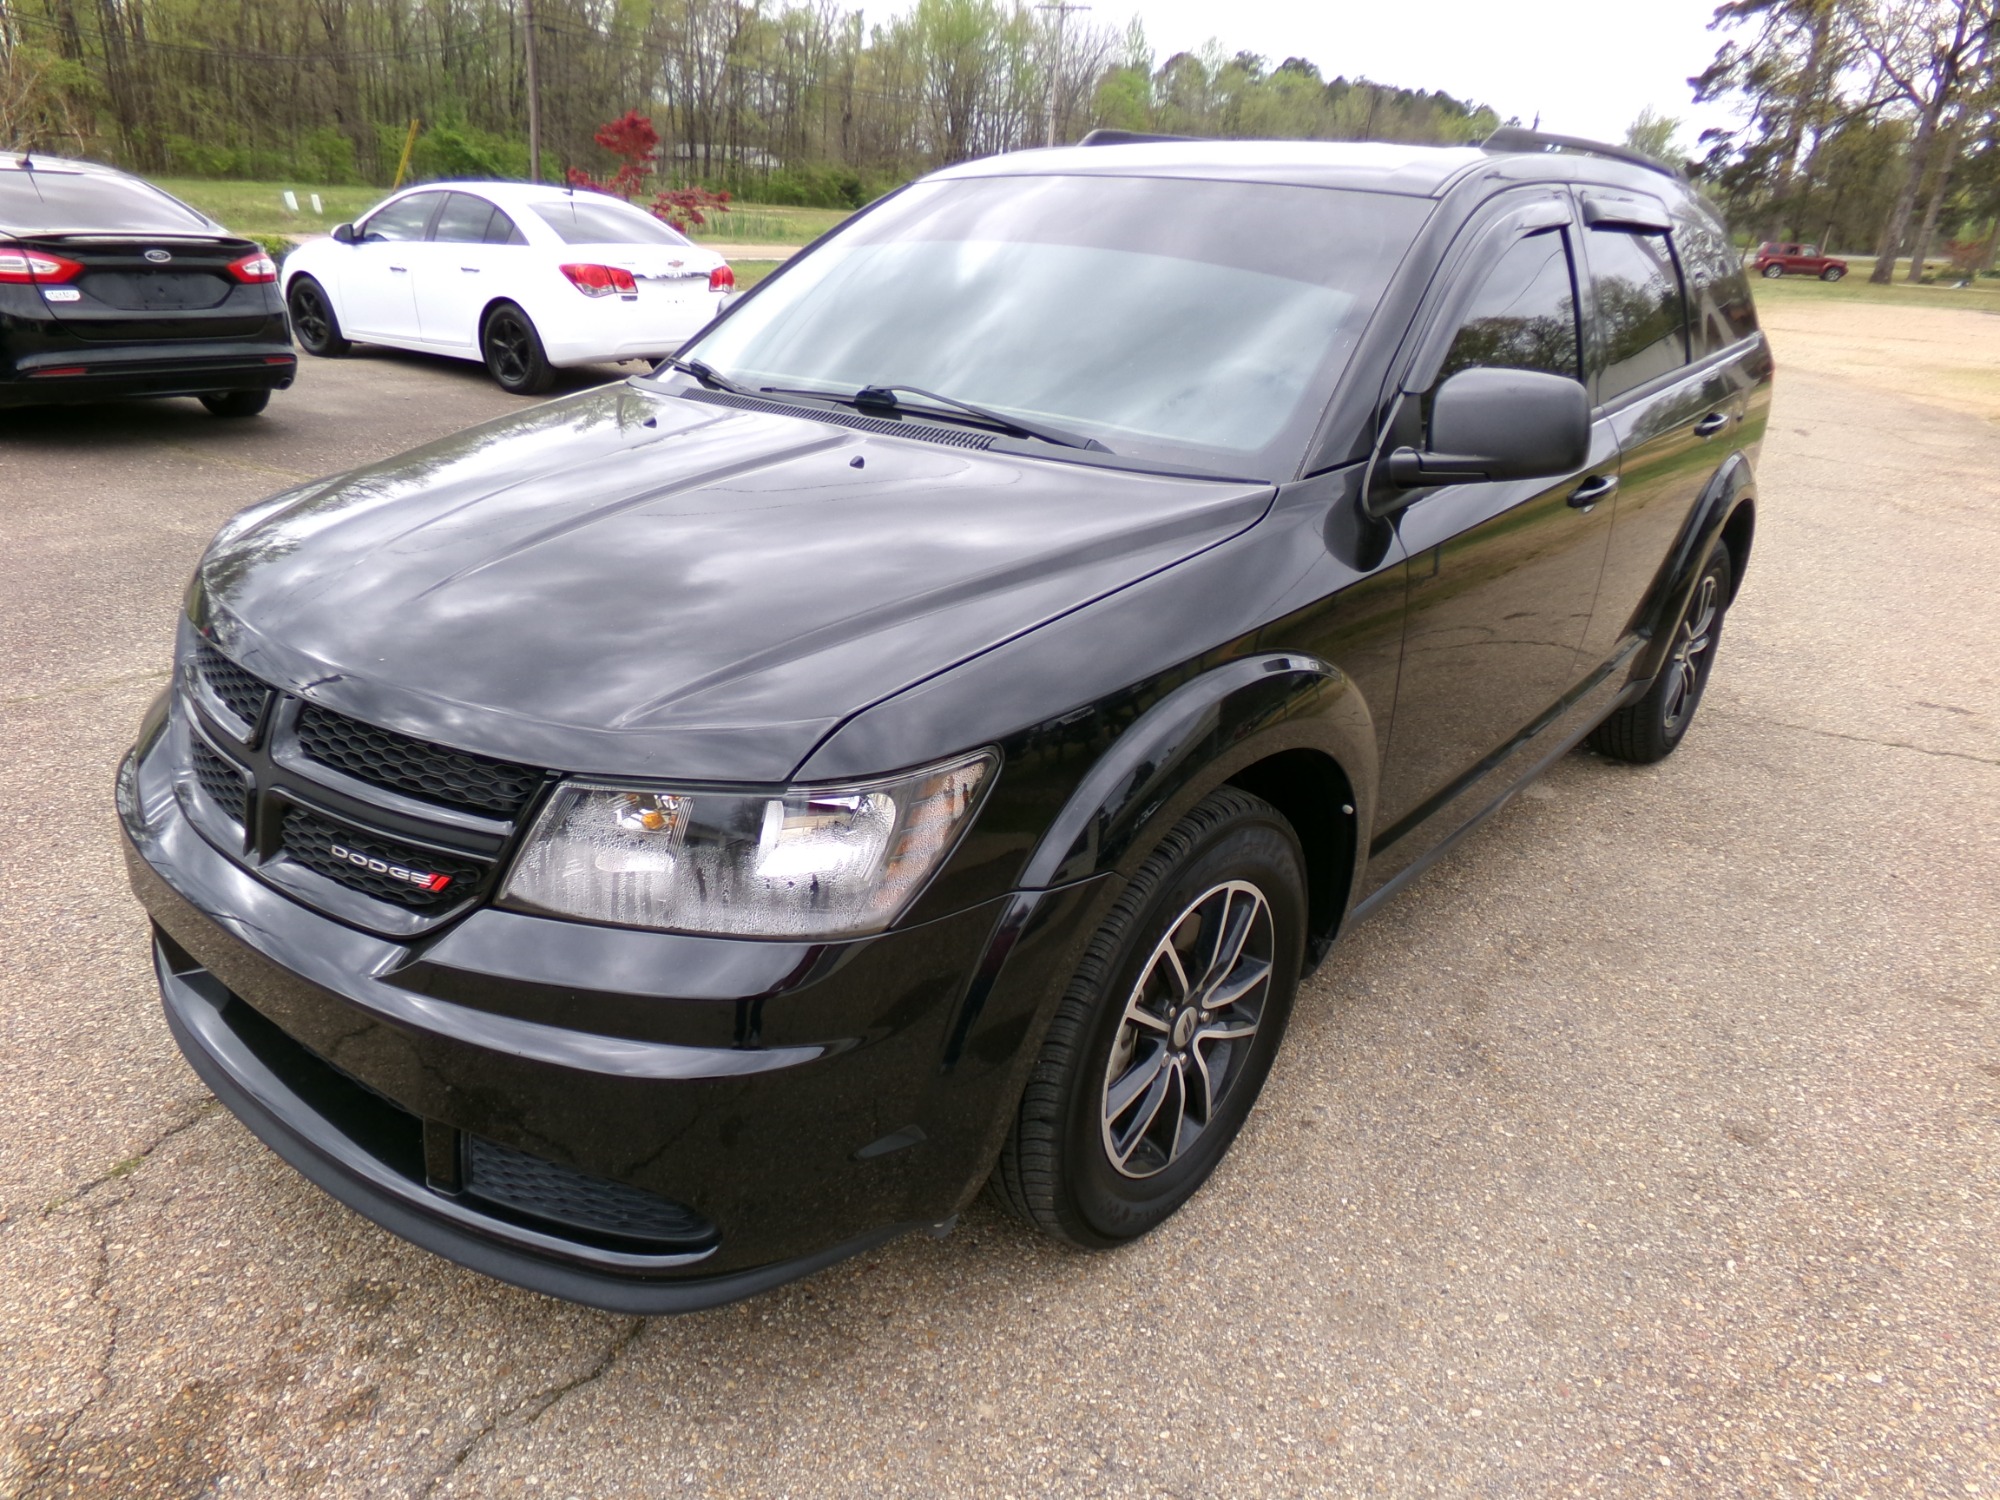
x,y
1711,424
470,270
1586,495
400,270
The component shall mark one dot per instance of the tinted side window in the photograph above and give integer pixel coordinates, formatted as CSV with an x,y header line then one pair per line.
x,y
1719,307
1523,317
402,220
504,231
1640,319
464,220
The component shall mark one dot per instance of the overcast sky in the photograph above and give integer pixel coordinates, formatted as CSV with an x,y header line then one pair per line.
x,y
1587,66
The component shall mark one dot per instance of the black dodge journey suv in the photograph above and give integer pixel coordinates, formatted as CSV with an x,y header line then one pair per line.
x,y
667,839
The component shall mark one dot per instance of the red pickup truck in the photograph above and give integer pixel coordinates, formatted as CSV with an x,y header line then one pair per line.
x,y
1776,259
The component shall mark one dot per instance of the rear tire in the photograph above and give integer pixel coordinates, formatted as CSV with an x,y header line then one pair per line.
x,y
1650,728
1772,273
1187,1034
236,403
1832,273
513,351
314,324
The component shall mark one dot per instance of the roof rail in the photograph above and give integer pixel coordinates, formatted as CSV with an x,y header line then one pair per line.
x,y
1102,137
1513,138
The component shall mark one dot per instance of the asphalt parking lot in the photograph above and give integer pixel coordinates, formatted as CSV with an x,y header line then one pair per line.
x,y
1647,1146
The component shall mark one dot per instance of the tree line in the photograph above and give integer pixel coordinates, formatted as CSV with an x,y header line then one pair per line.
x,y
782,100
1866,124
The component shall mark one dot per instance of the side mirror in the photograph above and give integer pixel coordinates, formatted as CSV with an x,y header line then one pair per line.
x,y
1500,424
344,234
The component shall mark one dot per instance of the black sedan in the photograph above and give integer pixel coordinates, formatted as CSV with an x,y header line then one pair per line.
x,y
110,288
916,740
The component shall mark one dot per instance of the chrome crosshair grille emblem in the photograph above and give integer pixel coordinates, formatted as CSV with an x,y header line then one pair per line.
x,y
1187,1028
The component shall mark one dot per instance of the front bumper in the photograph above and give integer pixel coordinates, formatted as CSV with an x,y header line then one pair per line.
x,y
799,1102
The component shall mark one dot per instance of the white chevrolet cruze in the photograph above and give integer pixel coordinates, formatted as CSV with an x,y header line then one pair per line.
x,y
525,278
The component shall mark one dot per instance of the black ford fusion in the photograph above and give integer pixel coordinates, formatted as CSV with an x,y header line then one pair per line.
x,y
111,288
660,842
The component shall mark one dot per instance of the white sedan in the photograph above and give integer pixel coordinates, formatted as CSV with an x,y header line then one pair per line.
x,y
523,277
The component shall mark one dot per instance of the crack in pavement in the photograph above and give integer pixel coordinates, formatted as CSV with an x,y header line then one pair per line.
x,y
1859,739
546,1399
126,1166
52,1450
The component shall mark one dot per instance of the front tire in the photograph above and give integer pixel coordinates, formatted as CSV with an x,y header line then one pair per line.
x,y
1772,273
1832,273
236,403
1650,728
1167,1031
314,323
513,350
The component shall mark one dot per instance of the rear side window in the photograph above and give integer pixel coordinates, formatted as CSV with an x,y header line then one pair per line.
x,y
1523,316
40,201
1719,307
464,220
402,220
1641,319
504,231
593,219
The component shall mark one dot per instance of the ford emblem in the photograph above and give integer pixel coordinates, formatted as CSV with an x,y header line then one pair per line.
x,y
158,257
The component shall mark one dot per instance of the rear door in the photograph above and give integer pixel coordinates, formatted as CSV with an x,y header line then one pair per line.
x,y
1502,575
1666,390
378,282
468,262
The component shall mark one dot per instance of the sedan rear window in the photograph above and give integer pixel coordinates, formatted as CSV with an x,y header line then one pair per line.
x,y
53,200
1168,318
593,219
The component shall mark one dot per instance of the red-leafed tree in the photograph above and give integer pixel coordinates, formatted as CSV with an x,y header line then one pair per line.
x,y
633,139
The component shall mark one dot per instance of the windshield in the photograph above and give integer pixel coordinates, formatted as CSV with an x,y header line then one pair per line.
x,y
593,219
55,199
1188,321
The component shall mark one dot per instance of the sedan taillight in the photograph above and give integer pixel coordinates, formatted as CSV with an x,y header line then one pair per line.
x,y
39,267
601,281
254,270
722,279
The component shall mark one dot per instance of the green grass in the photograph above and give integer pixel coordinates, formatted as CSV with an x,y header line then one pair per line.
x,y
258,208
1983,294
770,224
750,272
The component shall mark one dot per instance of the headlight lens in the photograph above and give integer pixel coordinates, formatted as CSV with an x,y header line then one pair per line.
x,y
810,863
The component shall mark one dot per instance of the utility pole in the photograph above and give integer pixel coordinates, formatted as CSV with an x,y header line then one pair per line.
x,y
534,99
1062,10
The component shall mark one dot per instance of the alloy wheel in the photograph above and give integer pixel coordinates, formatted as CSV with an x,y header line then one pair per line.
x,y
507,348
1187,1028
1692,644
310,318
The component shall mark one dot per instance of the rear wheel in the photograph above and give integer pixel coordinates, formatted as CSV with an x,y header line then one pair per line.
x,y
1832,273
513,351
236,403
1649,728
1167,1031
313,322
1772,273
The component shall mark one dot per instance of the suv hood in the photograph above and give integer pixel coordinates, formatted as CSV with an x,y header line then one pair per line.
x,y
636,583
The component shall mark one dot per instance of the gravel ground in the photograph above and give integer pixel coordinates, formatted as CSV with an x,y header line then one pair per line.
x,y
1646,1146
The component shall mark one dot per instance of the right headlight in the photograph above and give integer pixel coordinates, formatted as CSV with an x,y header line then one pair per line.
x,y
810,862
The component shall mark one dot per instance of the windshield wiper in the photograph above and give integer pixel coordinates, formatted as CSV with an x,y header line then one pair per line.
x,y
708,377
884,398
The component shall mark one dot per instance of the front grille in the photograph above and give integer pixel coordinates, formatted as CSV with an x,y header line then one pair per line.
x,y
455,778
378,867
531,1185
225,785
242,694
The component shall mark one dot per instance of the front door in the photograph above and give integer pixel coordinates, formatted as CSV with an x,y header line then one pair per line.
x,y
1502,575
378,283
